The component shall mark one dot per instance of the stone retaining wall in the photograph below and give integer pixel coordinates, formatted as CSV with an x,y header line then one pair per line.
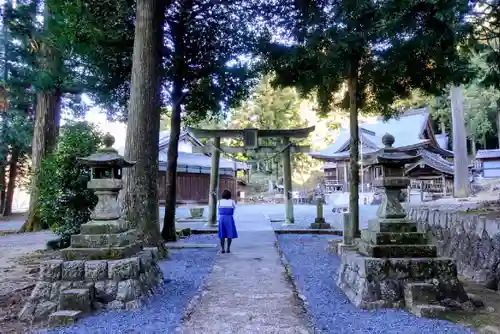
x,y
472,239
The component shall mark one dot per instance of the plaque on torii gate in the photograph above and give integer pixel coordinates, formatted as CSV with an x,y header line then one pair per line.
x,y
251,143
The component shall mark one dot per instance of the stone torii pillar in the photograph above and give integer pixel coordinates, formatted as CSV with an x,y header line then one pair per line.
x,y
287,181
214,183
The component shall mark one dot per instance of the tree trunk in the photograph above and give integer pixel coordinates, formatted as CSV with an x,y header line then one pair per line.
x,y
352,83
45,132
47,117
140,198
9,198
498,123
3,184
168,232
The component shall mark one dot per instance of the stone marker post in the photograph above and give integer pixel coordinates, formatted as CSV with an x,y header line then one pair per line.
x,y
105,267
460,161
319,222
349,232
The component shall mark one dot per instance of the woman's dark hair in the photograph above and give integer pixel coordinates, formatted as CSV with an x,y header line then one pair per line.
x,y
226,194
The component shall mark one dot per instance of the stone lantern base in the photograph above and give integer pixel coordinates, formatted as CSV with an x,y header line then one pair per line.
x,y
69,289
394,266
103,268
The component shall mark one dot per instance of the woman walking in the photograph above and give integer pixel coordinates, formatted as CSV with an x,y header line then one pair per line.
x,y
227,227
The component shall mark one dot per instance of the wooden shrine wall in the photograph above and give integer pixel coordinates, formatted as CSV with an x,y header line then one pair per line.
x,y
194,187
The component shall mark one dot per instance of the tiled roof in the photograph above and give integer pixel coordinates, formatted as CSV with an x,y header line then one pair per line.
x,y
435,161
407,131
488,154
165,138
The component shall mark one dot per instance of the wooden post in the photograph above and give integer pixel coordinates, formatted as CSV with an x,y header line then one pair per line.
x,y
287,182
421,191
346,185
214,184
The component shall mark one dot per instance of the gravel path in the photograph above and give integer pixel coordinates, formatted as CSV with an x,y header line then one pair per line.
x,y
184,272
315,271
305,214
247,291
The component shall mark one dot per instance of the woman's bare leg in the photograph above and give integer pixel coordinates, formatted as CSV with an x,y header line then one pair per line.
x,y
229,245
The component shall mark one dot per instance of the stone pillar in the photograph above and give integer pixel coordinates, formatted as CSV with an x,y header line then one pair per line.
x,y
349,232
319,222
287,182
214,183
460,162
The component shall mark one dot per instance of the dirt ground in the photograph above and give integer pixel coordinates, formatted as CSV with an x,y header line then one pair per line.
x,y
486,320
20,256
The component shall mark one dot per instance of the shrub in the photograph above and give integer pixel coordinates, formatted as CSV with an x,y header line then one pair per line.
x,y
65,201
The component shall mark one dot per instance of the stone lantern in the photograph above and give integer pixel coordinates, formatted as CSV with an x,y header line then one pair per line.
x,y
388,164
107,235
394,264
106,179
105,266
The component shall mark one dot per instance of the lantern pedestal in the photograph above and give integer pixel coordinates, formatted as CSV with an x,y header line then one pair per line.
x,y
394,265
105,266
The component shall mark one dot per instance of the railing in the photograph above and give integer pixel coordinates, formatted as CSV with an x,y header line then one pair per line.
x,y
433,187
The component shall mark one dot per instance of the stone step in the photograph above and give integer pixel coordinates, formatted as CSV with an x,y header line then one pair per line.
x,y
64,318
104,240
428,311
420,294
398,251
105,253
392,225
105,226
394,238
75,300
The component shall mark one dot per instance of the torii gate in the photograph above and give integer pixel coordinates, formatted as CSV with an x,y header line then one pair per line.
x,y
251,140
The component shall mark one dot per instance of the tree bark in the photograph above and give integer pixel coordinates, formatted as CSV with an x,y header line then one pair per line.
x,y
140,198
498,123
47,117
45,132
352,83
178,35
3,184
9,198
168,232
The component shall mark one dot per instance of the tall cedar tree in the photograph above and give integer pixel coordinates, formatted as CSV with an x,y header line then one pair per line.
x,y
140,201
81,47
380,49
16,119
203,36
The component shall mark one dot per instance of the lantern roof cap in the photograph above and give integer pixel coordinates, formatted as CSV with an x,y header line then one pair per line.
x,y
389,154
106,156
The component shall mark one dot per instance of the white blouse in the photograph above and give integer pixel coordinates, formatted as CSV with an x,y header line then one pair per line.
x,y
227,203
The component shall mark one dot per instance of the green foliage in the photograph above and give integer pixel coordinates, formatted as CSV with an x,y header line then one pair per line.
x,y
272,108
100,36
206,46
391,47
65,201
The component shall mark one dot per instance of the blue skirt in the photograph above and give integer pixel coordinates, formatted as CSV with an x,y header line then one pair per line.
x,y
227,227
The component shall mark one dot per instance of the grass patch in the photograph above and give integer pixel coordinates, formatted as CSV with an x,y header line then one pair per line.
x,y
475,320
8,232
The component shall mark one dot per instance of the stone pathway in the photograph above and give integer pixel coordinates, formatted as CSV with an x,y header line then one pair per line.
x,y
247,291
